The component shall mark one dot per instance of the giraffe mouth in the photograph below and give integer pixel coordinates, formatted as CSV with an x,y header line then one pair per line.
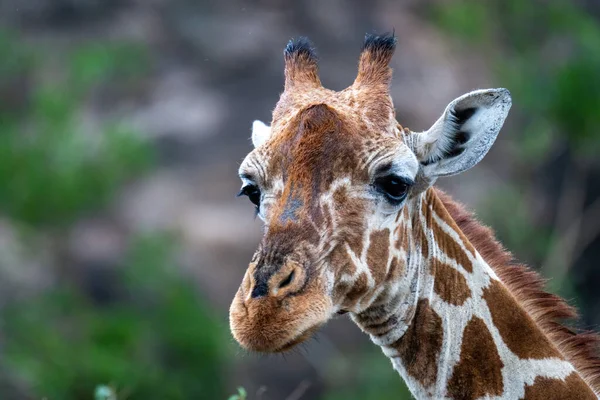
x,y
302,337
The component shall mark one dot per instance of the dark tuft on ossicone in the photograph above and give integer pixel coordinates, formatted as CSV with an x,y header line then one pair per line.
x,y
300,46
385,42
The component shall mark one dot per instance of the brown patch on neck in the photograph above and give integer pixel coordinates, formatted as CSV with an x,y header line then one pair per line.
x,y
546,309
572,388
479,371
420,346
378,254
516,327
449,284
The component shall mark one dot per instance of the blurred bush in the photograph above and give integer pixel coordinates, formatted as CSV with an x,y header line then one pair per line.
x,y
157,340
548,54
366,375
50,168
154,338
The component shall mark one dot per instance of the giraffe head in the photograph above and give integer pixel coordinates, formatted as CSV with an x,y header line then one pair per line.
x,y
333,178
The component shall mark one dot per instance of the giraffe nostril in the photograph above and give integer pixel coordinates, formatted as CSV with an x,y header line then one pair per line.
x,y
287,280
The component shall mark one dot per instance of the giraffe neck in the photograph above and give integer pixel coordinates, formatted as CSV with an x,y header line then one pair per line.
x,y
454,330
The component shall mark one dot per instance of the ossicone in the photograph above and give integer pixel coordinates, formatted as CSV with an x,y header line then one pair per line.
x,y
373,67
301,69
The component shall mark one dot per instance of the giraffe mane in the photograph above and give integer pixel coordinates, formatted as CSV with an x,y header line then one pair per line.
x,y
548,310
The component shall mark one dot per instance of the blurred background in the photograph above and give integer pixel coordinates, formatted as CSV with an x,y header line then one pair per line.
x,y
122,125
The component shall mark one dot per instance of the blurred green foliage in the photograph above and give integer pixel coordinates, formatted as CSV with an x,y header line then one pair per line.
x,y
548,54
104,392
51,170
372,377
240,395
159,341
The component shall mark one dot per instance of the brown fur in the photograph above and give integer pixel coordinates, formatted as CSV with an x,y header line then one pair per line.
x,y
402,235
351,212
572,388
419,348
449,284
359,289
249,322
301,70
377,254
339,256
397,268
546,309
374,69
356,242
516,327
479,371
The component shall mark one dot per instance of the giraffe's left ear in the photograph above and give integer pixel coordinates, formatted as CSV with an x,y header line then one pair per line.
x,y
260,133
464,133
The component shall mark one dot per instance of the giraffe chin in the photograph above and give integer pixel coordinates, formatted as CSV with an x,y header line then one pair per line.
x,y
279,346
267,325
261,344
272,335
303,337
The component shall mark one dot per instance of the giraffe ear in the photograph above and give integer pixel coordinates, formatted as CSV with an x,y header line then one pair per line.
x,y
260,133
464,133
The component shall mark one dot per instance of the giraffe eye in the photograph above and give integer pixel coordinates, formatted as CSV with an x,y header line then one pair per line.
x,y
253,193
392,187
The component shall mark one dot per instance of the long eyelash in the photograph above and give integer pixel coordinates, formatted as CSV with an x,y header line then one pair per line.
x,y
242,192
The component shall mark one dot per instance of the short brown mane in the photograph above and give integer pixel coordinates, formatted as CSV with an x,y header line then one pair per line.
x,y
548,310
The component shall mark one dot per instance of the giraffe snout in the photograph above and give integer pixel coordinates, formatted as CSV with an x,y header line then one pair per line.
x,y
280,303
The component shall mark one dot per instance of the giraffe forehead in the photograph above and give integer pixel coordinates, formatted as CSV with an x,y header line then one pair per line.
x,y
314,150
338,138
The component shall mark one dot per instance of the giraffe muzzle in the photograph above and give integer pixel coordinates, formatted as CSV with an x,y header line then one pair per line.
x,y
278,308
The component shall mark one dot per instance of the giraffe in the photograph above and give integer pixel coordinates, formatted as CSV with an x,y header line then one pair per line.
x,y
353,224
